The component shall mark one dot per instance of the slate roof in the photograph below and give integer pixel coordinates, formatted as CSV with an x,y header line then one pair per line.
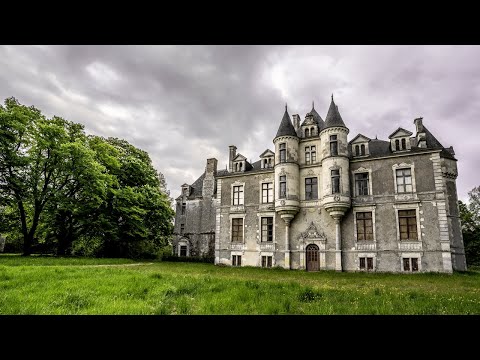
x,y
317,118
333,116
286,126
197,186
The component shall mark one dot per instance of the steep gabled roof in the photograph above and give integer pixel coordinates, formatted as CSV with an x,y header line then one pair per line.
x,y
333,118
406,132
286,126
359,136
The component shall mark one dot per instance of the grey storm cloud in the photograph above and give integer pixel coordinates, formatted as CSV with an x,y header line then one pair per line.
x,y
184,104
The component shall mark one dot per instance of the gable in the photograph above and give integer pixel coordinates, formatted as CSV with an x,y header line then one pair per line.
x,y
239,157
400,132
360,139
267,153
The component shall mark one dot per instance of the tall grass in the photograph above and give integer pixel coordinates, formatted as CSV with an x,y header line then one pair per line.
x,y
39,285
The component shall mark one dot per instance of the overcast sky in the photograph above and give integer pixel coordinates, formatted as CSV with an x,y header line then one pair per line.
x,y
184,104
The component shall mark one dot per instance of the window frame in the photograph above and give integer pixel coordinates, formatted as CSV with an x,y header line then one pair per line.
x,y
333,145
236,260
358,181
363,222
237,198
284,183
268,230
269,192
234,223
332,181
408,224
282,152
267,261
313,186
403,166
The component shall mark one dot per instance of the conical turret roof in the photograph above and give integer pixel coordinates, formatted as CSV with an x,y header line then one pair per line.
x,y
286,126
333,116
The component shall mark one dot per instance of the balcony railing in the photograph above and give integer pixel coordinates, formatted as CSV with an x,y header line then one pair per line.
x,y
366,246
267,246
409,245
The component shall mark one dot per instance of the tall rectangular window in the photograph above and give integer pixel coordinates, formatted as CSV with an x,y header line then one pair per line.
x,y
184,206
310,154
237,230
311,188
408,224
283,152
333,145
238,195
236,260
283,187
267,228
182,228
267,193
266,261
335,181
364,226
404,180
361,184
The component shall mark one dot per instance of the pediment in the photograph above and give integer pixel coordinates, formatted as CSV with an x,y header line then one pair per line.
x,y
360,139
239,157
312,233
267,153
400,132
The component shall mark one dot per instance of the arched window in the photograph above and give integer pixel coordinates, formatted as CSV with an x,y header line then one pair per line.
x,y
404,144
357,150
307,132
270,162
362,149
397,144
240,167
312,130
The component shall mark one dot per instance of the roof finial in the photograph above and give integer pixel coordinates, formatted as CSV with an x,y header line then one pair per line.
x,y
332,96
313,104
285,107
376,137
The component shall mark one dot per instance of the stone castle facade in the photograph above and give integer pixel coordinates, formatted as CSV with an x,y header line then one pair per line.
x,y
321,202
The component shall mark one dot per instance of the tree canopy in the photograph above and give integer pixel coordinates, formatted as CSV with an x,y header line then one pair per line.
x,y
470,218
64,191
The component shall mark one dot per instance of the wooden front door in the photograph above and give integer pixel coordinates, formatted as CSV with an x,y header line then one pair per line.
x,y
313,262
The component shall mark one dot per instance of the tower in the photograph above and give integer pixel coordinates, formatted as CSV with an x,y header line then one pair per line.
x,y
287,199
335,172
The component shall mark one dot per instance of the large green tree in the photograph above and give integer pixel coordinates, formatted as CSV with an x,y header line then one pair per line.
x,y
470,218
78,193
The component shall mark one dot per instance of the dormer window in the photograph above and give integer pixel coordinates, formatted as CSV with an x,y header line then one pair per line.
x,y
400,140
360,145
307,132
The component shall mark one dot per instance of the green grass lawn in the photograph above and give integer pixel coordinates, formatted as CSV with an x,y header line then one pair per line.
x,y
48,285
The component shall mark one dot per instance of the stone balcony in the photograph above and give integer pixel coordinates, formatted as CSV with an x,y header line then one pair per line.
x,y
366,246
237,246
410,245
267,246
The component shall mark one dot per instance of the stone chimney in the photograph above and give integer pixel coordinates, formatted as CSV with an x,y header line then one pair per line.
x,y
421,136
209,180
231,156
419,124
296,122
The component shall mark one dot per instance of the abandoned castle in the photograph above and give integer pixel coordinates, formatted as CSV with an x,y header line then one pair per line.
x,y
319,202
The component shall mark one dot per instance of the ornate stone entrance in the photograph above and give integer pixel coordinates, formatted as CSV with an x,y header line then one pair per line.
x,y
313,261
312,246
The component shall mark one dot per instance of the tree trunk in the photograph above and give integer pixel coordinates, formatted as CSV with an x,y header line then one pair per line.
x,y
27,241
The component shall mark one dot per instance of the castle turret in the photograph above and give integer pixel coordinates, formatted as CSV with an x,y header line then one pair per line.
x,y
287,199
335,172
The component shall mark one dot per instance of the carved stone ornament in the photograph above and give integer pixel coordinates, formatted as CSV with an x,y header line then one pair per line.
x,y
310,172
312,233
282,172
282,202
336,198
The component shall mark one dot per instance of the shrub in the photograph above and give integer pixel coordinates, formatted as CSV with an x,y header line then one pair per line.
x,y
201,259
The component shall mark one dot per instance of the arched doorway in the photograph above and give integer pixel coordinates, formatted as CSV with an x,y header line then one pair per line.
x,y
313,262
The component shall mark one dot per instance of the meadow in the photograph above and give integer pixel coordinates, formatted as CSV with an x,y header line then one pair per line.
x,y
49,285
